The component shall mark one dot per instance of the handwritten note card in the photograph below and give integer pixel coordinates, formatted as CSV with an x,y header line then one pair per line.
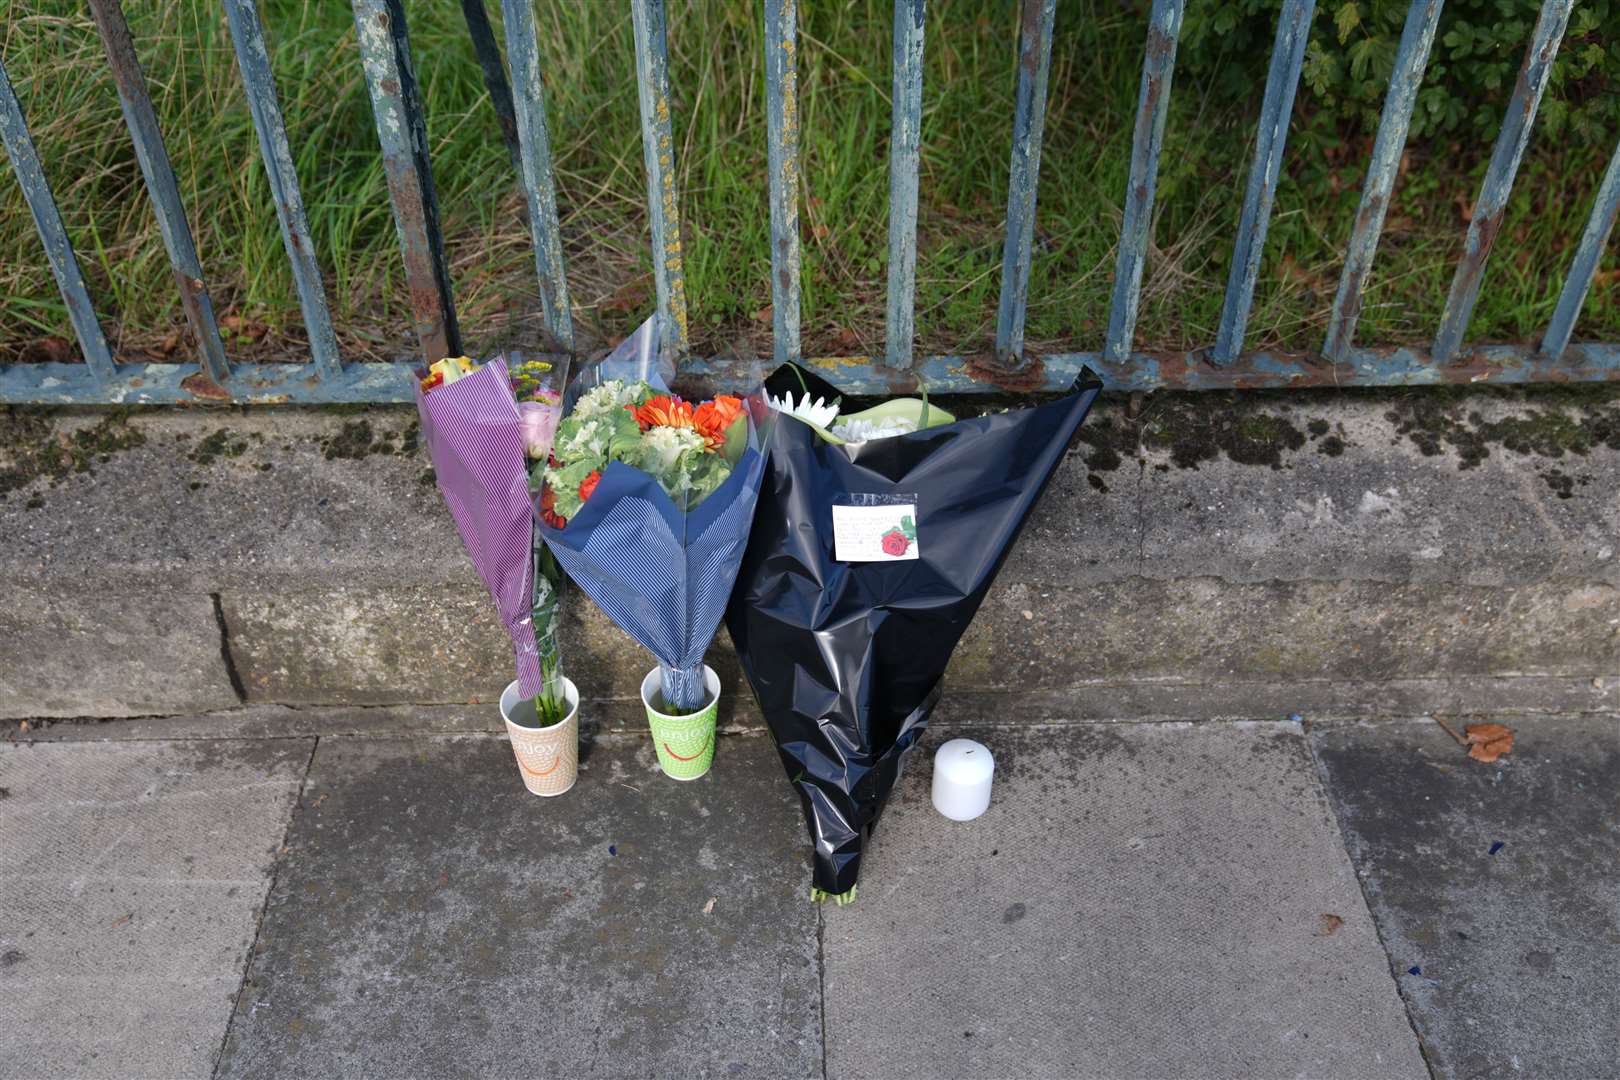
x,y
875,533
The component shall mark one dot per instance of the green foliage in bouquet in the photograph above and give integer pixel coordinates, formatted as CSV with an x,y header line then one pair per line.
x,y
689,450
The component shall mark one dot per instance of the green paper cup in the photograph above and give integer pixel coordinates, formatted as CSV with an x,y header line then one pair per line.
x,y
685,744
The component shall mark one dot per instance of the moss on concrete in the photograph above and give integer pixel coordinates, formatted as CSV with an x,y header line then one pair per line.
x,y
221,443
34,447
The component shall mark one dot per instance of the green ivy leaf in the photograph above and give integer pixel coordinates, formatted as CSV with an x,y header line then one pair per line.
x,y
1361,57
1347,18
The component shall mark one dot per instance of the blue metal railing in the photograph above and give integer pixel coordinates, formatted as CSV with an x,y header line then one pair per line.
x,y
385,54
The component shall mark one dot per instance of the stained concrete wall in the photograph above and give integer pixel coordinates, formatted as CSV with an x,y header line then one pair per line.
x,y
1344,553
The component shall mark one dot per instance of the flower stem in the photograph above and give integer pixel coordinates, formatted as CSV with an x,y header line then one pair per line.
x,y
551,705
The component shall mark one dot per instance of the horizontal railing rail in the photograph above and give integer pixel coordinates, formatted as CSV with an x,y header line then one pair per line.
x,y
516,88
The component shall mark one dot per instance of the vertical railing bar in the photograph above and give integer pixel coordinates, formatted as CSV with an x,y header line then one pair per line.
x,y
782,134
905,144
658,152
161,185
52,233
539,181
1587,256
258,82
1152,106
1411,58
1271,140
1498,185
489,60
396,104
1023,182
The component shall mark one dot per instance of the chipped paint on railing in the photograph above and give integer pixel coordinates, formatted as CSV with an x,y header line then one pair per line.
x,y
295,384
539,181
658,152
385,55
1486,364
258,83
1587,256
1029,124
782,124
1411,58
52,233
1287,56
1136,225
1493,194
905,143
167,206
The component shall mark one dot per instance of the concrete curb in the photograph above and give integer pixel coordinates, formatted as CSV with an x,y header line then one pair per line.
x,y
1339,553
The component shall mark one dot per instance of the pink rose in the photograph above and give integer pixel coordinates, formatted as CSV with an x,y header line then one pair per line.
x,y
539,419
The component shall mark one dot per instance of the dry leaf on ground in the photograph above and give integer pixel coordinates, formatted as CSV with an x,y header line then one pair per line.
x,y
1330,924
1487,742
50,349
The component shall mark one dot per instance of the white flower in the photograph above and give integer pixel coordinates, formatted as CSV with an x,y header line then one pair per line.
x,y
857,431
819,413
601,400
589,441
662,447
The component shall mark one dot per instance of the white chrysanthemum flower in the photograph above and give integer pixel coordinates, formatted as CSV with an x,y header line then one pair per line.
x,y
662,447
602,400
818,413
857,431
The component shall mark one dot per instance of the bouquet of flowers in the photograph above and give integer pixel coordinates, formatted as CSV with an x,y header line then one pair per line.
x,y
646,502
481,423
878,535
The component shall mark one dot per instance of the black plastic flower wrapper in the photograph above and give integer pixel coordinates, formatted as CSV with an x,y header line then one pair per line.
x,y
845,658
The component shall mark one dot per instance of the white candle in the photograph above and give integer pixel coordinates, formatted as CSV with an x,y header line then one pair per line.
x,y
962,773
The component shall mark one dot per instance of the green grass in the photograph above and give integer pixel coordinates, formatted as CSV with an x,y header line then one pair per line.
x,y
53,54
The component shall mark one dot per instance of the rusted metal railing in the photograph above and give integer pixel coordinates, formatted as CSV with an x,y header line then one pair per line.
x,y
516,88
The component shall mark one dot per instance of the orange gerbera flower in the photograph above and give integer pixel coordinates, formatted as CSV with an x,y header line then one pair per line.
x,y
587,486
712,418
665,410
548,509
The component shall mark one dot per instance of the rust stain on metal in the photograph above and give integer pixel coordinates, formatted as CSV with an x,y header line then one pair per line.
x,y
192,296
1013,374
199,385
1029,57
1472,266
1159,44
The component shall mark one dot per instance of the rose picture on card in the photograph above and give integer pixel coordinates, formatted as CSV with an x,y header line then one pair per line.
x,y
880,533
898,540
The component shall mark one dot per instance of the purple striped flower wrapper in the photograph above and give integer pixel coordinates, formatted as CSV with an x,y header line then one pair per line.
x,y
474,435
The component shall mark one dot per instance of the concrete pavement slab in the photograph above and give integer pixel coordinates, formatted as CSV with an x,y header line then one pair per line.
x,y
1496,887
131,880
1140,900
433,919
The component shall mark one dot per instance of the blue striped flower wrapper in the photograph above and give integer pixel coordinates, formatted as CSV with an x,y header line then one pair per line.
x,y
661,573
474,436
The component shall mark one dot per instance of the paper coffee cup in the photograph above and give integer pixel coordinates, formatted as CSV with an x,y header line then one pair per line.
x,y
685,744
548,758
